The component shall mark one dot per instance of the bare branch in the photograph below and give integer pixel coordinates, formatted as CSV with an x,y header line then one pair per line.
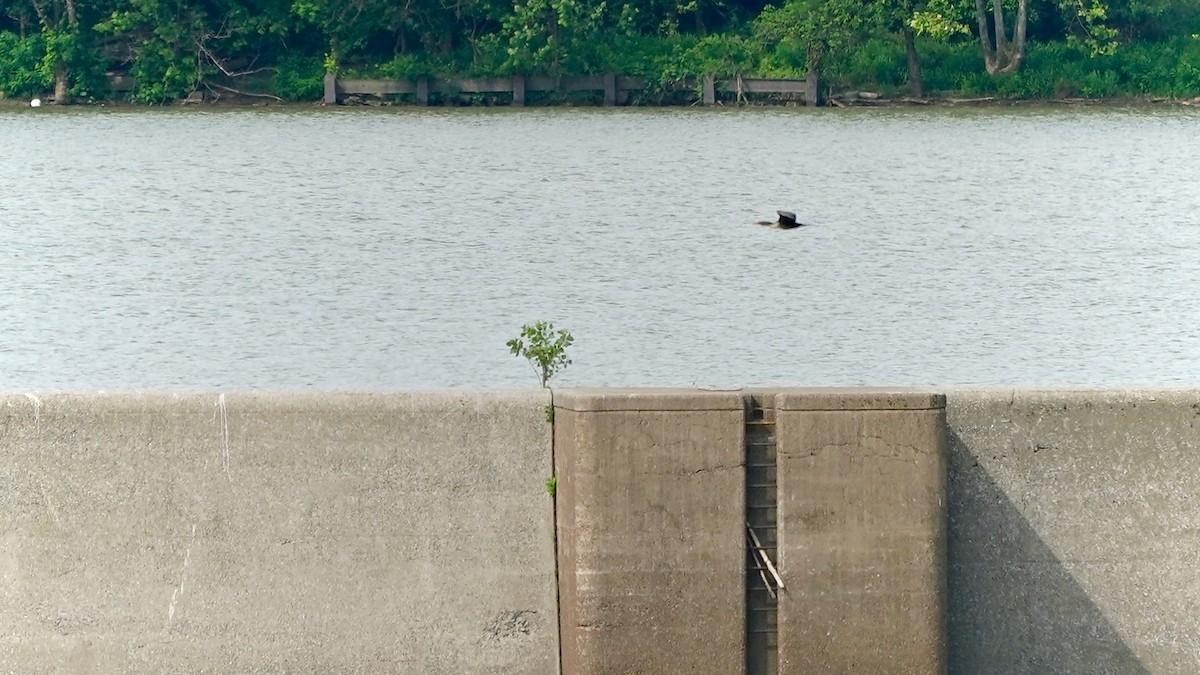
x,y
241,93
217,62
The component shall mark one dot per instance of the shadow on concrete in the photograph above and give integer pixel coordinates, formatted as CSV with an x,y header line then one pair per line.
x,y
1013,606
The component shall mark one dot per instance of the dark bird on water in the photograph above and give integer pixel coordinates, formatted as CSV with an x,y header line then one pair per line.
x,y
787,220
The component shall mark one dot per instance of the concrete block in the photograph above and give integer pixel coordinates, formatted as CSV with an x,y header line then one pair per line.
x,y
518,90
861,532
650,509
330,94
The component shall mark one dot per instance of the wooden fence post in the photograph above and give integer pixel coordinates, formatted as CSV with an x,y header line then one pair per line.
x,y
518,84
330,89
710,89
610,89
422,91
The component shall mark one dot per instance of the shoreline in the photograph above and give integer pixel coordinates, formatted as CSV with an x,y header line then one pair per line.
x,y
860,99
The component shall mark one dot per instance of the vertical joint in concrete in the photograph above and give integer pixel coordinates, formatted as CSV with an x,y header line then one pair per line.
x,y
762,545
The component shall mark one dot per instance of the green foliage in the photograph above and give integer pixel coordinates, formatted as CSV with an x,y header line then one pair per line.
x,y
553,36
344,25
954,65
28,65
405,67
544,348
1096,84
639,55
166,64
936,23
1089,18
21,73
824,27
1172,71
721,55
171,47
1026,84
299,78
681,61
877,64
552,486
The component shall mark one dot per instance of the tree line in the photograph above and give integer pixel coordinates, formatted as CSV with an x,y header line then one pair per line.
x,y
1008,47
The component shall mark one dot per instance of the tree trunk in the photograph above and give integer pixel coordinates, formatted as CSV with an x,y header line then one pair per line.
x,y
914,65
1000,34
62,84
812,88
555,44
985,39
1004,56
62,71
1017,50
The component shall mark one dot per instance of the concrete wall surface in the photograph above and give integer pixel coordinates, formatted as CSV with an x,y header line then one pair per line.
x,y
652,531
1074,531
255,532
862,532
650,509
412,532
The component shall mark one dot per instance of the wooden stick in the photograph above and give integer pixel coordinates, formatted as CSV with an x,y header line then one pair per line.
x,y
758,547
767,583
241,93
761,572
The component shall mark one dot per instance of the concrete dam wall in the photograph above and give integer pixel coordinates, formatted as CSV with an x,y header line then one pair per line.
x,y
1074,534
789,531
240,533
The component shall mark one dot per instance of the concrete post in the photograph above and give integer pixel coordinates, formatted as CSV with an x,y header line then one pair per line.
x,y
422,91
330,89
610,89
862,532
710,89
812,88
518,85
651,531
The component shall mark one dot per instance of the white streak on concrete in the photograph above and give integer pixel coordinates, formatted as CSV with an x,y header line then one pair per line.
x,y
224,435
37,409
178,592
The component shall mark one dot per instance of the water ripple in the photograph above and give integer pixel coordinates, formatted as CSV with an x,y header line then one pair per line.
x,y
392,248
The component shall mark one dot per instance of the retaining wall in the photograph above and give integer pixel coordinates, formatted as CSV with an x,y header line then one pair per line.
x,y
862,526
653,525
413,533
1074,537
651,531
406,533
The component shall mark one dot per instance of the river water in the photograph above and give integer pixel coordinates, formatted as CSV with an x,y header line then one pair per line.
x,y
382,249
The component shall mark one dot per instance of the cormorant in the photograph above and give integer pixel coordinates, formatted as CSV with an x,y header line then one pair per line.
x,y
787,220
